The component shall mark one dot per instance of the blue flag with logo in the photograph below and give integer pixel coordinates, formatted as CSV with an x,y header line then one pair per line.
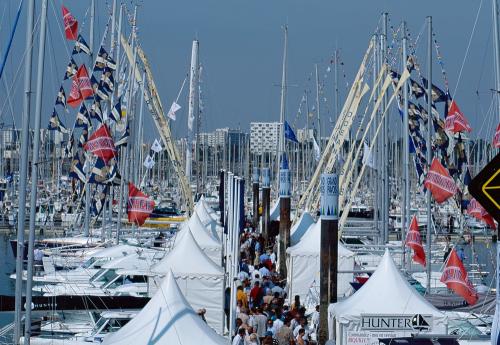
x,y
289,134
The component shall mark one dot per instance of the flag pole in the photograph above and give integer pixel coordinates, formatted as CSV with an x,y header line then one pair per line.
x,y
429,151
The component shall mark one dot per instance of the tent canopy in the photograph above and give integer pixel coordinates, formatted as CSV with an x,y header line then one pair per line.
x,y
299,229
203,237
166,319
387,284
274,213
187,258
207,221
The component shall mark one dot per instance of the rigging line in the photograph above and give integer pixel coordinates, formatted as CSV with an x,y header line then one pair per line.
x,y
468,47
483,63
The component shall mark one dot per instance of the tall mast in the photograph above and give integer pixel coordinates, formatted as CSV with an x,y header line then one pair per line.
x,y
317,107
34,169
336,72
23,173
496,45
405,214
193,106
429,148
385,146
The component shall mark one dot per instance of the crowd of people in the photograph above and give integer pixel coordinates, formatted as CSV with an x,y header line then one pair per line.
x,y
263,316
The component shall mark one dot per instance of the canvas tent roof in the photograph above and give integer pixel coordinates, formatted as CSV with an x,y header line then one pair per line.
x,y
203,237
387,284
310,243
187,258
299,229
207,221
274,213
166,319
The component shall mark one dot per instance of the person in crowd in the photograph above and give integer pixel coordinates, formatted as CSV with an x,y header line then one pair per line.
x,y
315,319
201,313
239,339
296,304
256,295
300,339
284,336
269,339
241,296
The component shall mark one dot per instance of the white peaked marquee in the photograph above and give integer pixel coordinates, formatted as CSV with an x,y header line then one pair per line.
x,y
166,319
299,229
385,302
199,278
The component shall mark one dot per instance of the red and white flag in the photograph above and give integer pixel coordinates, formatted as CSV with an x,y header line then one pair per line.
x,y
101,144
70,25
439,182
496,138
476,210
139,205
81,87
414,241
455,277
455,120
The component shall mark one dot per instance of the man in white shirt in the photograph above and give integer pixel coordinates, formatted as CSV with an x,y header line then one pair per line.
x,y
239,339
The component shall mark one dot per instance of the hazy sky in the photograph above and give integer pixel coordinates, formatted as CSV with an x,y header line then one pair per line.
x,y
241,45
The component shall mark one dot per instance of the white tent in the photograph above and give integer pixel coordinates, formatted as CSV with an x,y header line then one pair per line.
x,y
166,319
299,229
210,245
199,278
274,212
387,294
303,266
208,222
210,210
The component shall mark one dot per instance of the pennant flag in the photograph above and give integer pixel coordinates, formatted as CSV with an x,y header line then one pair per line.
x,y
496,138
83,118
103,60
105,172
139,206
173,108
414,241
61,97
68,150
102,93
455,120
55,123
98,201
368,157
124,138
417,90
81,46
76,170
439,182
107,80
95,111
81,88
71,69
115,113
70,24
477,211
289,134
101,144
83,137
455,277
317,151
156,147
438,95
149,162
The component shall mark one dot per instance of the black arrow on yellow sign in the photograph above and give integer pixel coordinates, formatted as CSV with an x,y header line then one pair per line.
x,y
485,187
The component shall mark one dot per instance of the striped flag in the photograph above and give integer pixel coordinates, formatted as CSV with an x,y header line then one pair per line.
x,y
139,206
70,24
439,182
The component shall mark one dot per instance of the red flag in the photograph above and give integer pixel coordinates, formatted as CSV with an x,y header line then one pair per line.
x,y
476,210
414,241
70,25
496,138
439,182
81,87
455,277
101,144
139,206
455,120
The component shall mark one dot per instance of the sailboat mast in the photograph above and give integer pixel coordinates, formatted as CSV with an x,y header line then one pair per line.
x,y
23,171
193,107
283,100
317,108
429,152
385,146
405,210
496,45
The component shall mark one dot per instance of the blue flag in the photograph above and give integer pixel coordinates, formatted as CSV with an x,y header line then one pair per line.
x,y
289,134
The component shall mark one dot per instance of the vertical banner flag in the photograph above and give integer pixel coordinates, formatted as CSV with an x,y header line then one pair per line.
x,y
329,199
173,108
284,191
455,277
414,241
70,25
266,178
139,206
439,182
101,144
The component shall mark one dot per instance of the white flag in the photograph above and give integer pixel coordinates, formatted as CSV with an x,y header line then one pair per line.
x,y
317,151
368,156
173,109
156,147
149,163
